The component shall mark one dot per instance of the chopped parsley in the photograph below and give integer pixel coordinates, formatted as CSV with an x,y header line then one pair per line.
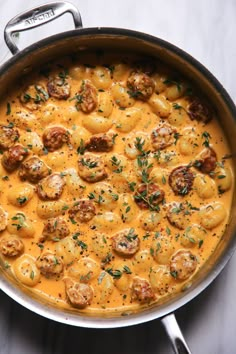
x,y
81,148
176,106
174,274
206,136
126,270
82,245
116,273
117,163
19,221
131,235
22,200
88,163
8,112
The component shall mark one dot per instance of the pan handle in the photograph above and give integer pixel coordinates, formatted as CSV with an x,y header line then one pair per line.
x,y
175,335
37,17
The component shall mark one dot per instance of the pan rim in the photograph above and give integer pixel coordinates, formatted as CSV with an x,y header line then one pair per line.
x,y
153,313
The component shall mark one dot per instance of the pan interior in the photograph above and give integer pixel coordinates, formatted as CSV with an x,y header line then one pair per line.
x,y
127,41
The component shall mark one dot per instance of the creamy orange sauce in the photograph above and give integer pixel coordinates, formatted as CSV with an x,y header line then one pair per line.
x,y
131,121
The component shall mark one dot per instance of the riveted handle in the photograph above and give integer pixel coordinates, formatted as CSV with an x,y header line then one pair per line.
x,y
175,335
37,17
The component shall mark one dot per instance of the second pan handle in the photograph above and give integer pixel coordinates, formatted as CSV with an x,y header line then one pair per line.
x,y
37,17
175,335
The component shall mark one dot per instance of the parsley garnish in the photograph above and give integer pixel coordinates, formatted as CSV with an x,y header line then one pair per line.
x,y
22,200
116,274
174,274
82,245
117,163
8,112
131,235
206,136
88,163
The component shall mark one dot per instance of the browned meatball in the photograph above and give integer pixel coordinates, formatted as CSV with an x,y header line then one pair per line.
x,y
83,210
79,294
91,168
87,97
33,96
199,110
163,137
148,196
11,246
141,86
8,137
33,170
100,143
50,265
183,264
178,214
12,158
126,242
181,180
55,229
206,162
51,187
142,291
55,137
58,88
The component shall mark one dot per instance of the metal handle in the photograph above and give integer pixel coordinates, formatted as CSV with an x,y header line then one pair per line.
x,y
37,17
175,335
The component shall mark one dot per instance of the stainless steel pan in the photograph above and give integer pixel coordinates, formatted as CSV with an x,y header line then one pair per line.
x,y
26,60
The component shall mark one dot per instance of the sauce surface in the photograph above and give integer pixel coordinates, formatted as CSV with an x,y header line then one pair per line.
x,y
115,186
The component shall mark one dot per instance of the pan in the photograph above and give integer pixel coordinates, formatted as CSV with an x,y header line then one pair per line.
x,y
114,38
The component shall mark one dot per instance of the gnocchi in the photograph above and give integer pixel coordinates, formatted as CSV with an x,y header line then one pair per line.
x,y
115,179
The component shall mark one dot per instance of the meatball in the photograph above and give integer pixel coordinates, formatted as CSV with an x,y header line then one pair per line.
x,y
12,158
55,229
100,143
142,291
79,294
83,210
3,219
206,162
91,168
178,215
50,265
126,242
11,246
58,88
51,187
181,180
55,137
141,86
199,110
87,97
163,137
148,196
8,137
183,264
33,170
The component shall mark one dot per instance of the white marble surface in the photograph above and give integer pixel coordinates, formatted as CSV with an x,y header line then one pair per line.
x,y
206,29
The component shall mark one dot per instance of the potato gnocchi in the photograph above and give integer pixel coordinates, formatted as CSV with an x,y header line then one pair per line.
x,y
115,189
